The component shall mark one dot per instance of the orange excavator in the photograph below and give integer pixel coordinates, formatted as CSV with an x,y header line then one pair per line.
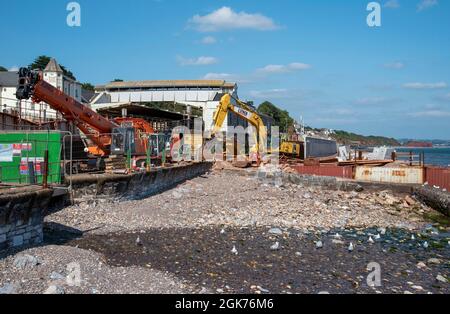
x,y
120,136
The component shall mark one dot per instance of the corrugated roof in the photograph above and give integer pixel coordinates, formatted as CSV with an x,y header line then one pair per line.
x,y
53,66
87,95
9,79
167,83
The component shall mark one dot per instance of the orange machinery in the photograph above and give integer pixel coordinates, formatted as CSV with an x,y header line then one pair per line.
x,y
119,136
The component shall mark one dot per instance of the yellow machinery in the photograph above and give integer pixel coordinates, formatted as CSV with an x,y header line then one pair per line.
x,y
247,113
292,149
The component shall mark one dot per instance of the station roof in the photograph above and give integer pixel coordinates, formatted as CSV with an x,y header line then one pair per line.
x,y
167,84
137,110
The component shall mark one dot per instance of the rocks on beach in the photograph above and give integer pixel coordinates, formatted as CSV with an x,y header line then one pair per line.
x,y
300,229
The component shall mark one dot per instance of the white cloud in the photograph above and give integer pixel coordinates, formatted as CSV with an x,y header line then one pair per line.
x,y
278,68
431,114
426,4
371,101
425,85
395,65
229,77
271,93
227,19
218,76
392,4
14,69
197,61
209,40
343,111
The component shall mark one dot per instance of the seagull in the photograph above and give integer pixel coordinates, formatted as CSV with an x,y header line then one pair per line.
x,y
350,247
222,231
377,237
234,251
138,241
275,247
371,240
425,245
413,237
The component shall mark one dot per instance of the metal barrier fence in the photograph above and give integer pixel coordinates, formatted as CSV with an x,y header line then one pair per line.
x,y
26,110
410,157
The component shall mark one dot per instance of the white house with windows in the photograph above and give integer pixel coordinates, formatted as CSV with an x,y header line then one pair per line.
x,y
8,87
54,75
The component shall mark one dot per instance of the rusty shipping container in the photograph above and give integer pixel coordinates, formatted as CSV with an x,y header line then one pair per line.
x,y
438,177
326,171
404,175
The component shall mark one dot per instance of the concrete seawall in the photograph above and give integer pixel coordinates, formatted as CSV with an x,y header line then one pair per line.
x,y
22,210
435,198
21,216
133,186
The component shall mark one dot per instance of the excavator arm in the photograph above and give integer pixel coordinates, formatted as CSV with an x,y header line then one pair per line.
x,y
247,113
96,127
32,85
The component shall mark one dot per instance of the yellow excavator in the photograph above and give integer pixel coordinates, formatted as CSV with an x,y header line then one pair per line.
x,y
249,114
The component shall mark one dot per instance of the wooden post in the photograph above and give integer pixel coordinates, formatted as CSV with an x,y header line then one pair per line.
x,y
149,158
235,149
203,140
45,171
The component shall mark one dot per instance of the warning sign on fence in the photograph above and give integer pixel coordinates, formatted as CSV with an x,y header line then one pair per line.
x,y
36,165
6,152
19,148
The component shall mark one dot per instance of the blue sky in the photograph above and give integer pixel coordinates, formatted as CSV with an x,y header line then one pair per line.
x,y
317,59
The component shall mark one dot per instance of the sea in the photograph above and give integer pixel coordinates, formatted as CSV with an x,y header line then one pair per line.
x,y
437,156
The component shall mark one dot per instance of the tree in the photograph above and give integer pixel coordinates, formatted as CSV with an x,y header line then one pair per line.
x,y
88,86
280,117
41,62
118,80
2,69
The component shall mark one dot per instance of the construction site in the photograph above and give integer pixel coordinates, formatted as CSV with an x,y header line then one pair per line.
x,y
181,187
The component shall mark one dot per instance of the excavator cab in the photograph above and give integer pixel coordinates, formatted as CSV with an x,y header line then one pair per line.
x,y
123,141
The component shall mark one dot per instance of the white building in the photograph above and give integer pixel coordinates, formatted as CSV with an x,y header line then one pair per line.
x,y
54,75
8,87
204,94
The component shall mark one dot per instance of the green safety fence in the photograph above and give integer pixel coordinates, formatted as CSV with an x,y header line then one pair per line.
x,y
22,157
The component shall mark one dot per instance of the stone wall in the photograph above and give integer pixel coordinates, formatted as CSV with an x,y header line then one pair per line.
x,y
435,198
133,186
21,217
